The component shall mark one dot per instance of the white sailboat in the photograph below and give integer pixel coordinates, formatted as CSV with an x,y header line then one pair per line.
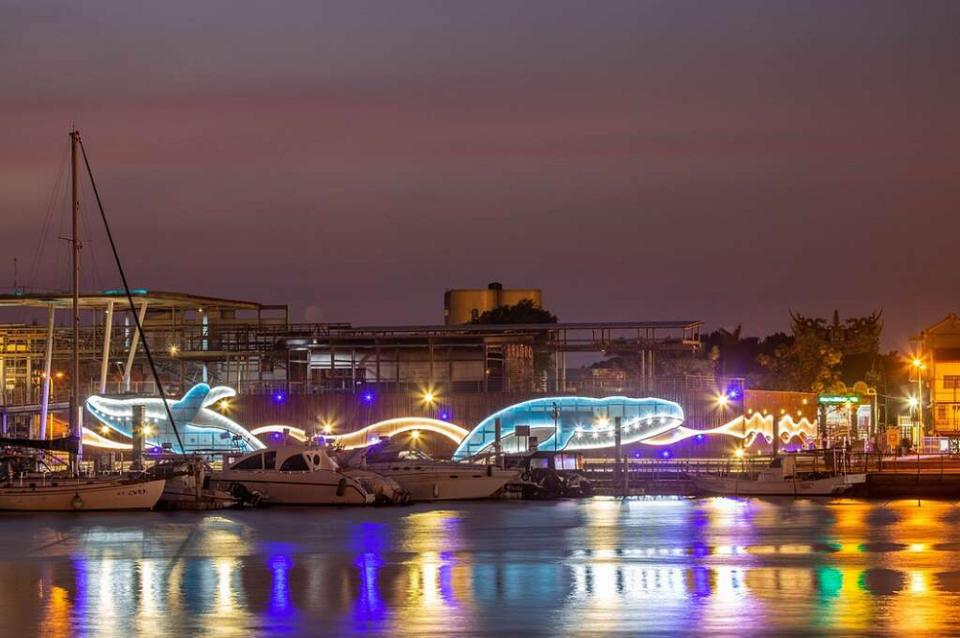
x,y
70,494
75,493
780,478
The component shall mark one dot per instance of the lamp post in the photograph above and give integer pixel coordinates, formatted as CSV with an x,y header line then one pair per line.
x,y
919,366
53,397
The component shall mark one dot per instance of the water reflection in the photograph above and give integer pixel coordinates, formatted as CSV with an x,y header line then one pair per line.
x,y
663,565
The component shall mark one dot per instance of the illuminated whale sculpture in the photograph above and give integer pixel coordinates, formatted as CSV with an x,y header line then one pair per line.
x,y
573,423
201,428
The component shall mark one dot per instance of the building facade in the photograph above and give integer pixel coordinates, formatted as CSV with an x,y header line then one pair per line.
x,y
938,347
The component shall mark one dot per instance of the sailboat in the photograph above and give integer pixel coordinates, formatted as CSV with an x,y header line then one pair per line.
x,y
30,492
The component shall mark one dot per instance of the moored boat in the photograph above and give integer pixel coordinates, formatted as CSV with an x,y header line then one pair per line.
x,y
72,494
780,478
429,479
292,475
189,487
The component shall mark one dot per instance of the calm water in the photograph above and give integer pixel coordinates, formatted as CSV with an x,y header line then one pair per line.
x,y
510,568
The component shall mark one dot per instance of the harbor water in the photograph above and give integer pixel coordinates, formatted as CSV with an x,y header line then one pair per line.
x,y
596,566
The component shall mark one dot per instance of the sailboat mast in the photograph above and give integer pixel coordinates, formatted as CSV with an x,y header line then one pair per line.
x,y
75,429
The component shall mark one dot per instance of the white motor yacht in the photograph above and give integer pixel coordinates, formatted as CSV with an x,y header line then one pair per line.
x,y
429,479
780,478
293,475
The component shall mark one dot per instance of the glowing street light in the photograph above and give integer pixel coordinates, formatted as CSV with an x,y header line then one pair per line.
x,y
428,396
920,367
327,427
415,434
722,400
173,349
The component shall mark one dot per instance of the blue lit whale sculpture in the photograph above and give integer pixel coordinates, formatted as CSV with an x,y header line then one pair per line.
x,y
574,423
201,428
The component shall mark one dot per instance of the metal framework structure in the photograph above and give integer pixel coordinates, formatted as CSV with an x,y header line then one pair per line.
x,y
34,358
473,357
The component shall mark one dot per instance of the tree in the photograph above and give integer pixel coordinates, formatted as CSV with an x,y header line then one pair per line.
x,y
524,311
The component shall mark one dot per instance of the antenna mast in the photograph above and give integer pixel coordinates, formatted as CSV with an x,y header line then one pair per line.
x,y
75,427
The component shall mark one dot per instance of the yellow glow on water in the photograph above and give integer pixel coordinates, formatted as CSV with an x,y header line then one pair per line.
x,y
148,592
849,548
55,622
795,549
917,547
224,569
918,582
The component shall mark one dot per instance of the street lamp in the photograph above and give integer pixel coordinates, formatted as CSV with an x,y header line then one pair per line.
x,y
919,366
52,396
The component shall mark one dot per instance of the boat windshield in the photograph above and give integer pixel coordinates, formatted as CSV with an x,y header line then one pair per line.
x,y
388,453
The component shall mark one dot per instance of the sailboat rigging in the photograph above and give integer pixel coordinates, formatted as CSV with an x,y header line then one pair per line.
x,y
77,493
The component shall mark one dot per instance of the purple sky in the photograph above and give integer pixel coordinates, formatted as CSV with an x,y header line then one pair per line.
x,y
723,161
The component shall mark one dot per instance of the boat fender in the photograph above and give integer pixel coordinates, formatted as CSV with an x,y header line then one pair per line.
x,y
341,487
436,490
77,502
489,470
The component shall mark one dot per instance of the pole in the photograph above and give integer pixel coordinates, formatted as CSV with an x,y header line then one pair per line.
x,y
107,333
137,427
919,418
75,241
618,467
47,371
556,419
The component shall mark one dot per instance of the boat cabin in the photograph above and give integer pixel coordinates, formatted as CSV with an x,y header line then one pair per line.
x,y
286,459
780,468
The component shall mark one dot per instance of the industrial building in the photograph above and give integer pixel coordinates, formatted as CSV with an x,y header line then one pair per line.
x,y
466,305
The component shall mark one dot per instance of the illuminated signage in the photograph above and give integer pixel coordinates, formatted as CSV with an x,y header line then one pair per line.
x,y
839,398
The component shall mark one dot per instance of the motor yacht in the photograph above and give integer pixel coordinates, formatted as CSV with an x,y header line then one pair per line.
x,y
780,478
292,475
426,478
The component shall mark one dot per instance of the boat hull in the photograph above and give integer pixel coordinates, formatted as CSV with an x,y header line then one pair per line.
x,y
448,484
322,487
89,496
733,486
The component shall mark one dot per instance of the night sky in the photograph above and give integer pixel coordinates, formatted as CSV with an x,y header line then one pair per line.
x,y
724,161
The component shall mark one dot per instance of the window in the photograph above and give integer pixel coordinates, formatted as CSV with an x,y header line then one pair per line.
x,y
951,382
252,463
269,460
295,463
